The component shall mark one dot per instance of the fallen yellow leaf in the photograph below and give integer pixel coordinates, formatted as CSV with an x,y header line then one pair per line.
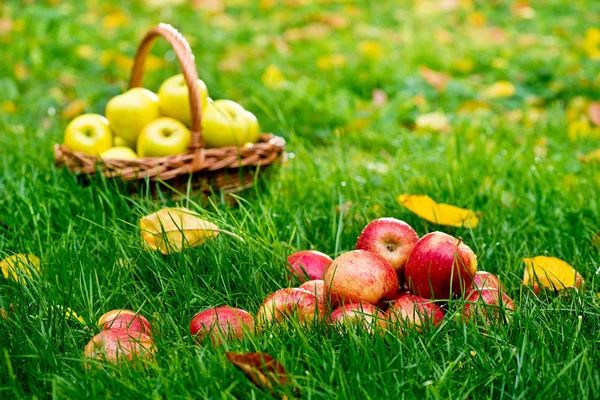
x,y
437,213
170,230
18,265
73,109
273,78
550,272
69,314
593,157
331,61
500,89
370,49
435,121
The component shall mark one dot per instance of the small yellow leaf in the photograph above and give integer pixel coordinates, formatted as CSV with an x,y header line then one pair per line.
x,y
437,213
170,230
273,78
8,107
18,265
370,49
331,61
69,314
435,121
593,157
73,109
550,272
500,89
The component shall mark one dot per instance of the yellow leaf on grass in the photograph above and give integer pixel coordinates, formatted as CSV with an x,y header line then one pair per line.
x,y
433,122
331,61
593,157
441,214
73,109
69,314
500,89
370,49
17,266
273,78
170,230
550,272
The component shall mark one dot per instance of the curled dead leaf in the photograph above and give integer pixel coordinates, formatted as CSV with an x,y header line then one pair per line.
x,y
438,213
550,272
262,369
170,230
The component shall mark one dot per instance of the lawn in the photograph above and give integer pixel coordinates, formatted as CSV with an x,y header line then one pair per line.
x,y
479,104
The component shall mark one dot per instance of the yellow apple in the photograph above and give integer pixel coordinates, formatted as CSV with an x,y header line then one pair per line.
x,y
119,142
224,123
253,127
174,100
163,137
130,112
88,133
119,153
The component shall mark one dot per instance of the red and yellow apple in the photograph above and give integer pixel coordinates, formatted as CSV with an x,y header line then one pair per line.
x,y
360,276
487,305
125,319
308,264
390,238
317,287
174,99
163,137
364,314
484,279
221,323
288,303
130,112
88,133
224,123
440,267
410,310
120,344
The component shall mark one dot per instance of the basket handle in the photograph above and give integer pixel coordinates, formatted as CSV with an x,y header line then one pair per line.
x,y
186,61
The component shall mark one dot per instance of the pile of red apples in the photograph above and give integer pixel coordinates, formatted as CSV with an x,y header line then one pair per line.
x,y
393,281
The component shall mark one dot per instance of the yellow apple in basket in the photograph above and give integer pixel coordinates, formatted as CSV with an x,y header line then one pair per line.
x,y
253,128
224,123
163,137
119,142
119,153
174,100
88,133
130,112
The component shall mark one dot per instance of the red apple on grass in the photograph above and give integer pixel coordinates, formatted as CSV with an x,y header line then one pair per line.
x,y
440,266
484,279
290,303
221,323
410,310
487,305
364,314
308,263
390,238
125,319
120,344
360,276
317,287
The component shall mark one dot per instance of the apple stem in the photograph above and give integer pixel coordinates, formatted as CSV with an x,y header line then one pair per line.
x,y
460,240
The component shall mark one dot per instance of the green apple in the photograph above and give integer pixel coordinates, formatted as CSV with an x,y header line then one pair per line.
x,y
253,128
88,133
163,137
224,123
174,100
130,112
119,153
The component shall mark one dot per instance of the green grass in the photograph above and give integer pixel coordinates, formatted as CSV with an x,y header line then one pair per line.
x,y
536,197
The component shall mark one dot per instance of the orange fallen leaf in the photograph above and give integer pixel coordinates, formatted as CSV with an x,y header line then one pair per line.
x,y
437,80
262,369
550,272
592,157
438,213
594,113
170,230
73,109
17,266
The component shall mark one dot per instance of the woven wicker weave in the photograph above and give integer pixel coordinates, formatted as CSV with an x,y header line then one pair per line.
x,y
226,168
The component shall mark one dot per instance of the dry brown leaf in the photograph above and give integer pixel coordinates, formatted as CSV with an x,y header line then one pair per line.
x,y
170,230
594,113
550,272
437,213
262,369
437,80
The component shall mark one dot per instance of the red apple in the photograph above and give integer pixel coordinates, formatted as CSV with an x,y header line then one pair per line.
x,y
317,287
392,239
440,266
410,310
358,313
221,323
125,319
119,344
488,305
290,303
308,263
483,279
360,276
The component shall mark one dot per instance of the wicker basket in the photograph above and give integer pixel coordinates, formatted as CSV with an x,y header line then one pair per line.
x,y
230,169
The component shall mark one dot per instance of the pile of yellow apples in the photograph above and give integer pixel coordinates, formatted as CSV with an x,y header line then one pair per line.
x,y
140,123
